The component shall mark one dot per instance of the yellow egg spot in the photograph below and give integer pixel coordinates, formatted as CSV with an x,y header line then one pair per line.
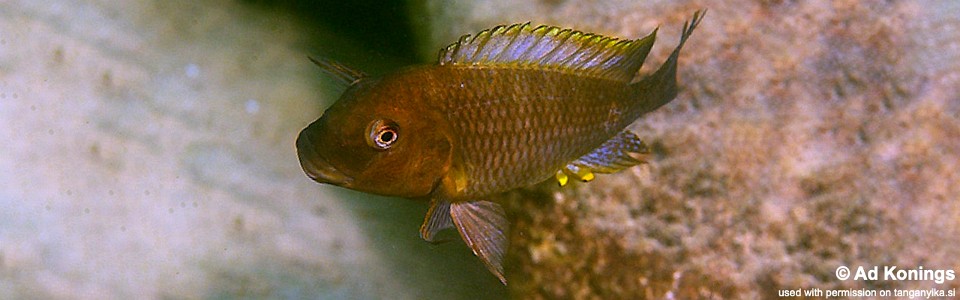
x,y
584,174
562,178
587,177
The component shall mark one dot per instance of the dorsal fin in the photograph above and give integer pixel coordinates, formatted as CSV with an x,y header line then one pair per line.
x,y
553,48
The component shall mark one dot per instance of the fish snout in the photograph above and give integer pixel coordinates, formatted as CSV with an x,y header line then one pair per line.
x,y
315,165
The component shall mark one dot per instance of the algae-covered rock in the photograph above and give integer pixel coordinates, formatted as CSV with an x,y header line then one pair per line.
x,y
807,136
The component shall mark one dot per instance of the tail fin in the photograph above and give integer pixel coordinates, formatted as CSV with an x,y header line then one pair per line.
x,y
660,87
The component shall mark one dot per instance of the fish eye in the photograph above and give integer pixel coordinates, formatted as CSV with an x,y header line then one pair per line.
x,y
383,134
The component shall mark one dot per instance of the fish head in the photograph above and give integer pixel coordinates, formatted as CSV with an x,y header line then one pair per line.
x,y
377,139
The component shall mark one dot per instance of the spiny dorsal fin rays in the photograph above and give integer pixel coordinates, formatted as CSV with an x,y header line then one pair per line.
x,y
551,48
342,72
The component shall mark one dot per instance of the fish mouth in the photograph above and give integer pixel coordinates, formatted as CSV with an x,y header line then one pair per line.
x,y
316,166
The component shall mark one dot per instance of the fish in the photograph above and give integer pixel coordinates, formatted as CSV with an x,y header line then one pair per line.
x,y
508,107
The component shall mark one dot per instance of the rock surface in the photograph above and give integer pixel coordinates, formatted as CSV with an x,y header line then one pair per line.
x,y
807,136
148,152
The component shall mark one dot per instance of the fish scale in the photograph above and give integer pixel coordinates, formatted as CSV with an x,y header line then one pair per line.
x,y
487,121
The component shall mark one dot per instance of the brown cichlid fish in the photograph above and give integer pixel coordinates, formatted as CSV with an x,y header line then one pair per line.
x,y
509,107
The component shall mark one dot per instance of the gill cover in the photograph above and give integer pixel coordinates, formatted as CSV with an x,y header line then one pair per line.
x,y
375,138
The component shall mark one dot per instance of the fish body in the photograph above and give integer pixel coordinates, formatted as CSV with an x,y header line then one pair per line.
x,y
515,127
509,107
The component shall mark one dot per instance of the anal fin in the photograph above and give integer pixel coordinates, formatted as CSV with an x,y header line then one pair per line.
x,y
620,152
484,227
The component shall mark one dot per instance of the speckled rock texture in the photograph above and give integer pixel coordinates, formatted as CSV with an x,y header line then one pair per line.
x,y
147,152
808,135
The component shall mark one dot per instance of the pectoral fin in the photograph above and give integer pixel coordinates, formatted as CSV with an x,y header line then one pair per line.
x,y
620,152
437,219
344,73
484,227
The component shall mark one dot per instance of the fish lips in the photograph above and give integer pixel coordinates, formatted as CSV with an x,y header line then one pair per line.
x,y
316,166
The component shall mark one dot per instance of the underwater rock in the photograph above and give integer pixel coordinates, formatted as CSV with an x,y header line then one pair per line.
x,y
806,136
148,152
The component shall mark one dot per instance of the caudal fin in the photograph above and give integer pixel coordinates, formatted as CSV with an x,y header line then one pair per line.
x,y
661,87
